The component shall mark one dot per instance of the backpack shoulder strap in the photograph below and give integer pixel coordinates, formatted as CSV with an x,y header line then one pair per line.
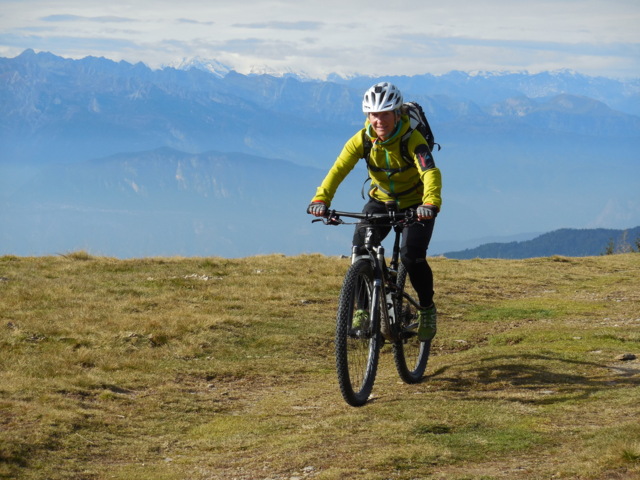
x,y
404,147
366,144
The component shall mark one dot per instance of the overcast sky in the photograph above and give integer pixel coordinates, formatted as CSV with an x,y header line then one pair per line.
x,y
374,37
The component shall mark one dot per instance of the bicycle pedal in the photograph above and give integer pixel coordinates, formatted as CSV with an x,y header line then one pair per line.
x,y
359,333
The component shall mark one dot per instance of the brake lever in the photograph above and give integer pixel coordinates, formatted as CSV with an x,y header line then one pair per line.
x,y
330,219
411,218
333,220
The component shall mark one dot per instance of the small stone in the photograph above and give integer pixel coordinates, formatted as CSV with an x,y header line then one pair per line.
x,y
625,357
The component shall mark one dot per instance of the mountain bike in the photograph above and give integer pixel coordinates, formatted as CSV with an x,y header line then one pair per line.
x,y
376,303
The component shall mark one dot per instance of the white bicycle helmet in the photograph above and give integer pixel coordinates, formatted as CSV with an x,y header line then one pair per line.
x,y
382,97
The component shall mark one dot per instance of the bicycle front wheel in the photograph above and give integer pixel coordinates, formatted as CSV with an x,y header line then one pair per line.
x,y
357,334
410,354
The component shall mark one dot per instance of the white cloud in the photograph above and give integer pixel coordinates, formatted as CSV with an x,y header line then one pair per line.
x,y
277,25
78,18
598,37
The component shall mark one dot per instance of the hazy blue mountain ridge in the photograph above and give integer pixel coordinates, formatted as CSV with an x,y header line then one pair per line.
x,y
495,87
167,202
567,242
110,149
66,110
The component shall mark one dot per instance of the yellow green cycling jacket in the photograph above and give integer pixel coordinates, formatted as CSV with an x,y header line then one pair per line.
x,y
392,178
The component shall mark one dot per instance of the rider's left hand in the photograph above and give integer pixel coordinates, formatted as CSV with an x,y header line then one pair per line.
x,y
427,211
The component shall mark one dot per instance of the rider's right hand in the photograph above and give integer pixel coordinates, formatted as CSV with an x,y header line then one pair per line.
x,y
317,209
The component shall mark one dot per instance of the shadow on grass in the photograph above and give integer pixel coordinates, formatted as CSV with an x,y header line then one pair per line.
x,y
546,378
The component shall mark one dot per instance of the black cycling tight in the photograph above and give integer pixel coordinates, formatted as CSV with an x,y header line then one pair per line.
x,y
413,251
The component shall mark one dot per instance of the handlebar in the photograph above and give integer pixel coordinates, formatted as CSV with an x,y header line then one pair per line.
x,y
332,217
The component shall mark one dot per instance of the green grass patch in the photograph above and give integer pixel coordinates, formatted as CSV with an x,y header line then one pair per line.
x,y
511,313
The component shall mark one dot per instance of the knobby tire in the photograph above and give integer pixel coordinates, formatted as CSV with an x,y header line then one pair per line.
x,y
357,352
410,354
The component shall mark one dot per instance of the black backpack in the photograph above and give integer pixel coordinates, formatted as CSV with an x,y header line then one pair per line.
x,y
418,121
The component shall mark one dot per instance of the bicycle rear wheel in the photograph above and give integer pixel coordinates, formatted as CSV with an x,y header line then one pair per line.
x,y
357,349
410,354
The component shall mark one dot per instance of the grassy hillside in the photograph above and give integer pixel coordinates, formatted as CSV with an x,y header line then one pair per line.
x,y
217,369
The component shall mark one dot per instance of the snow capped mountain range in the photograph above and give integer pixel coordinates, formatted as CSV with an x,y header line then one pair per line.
x,y
207,65
539,85
95,150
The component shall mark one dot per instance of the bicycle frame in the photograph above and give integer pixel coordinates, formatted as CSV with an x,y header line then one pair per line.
x,y
384,285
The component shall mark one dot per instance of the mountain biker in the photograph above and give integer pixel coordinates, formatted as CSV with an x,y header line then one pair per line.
x,y
416,185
